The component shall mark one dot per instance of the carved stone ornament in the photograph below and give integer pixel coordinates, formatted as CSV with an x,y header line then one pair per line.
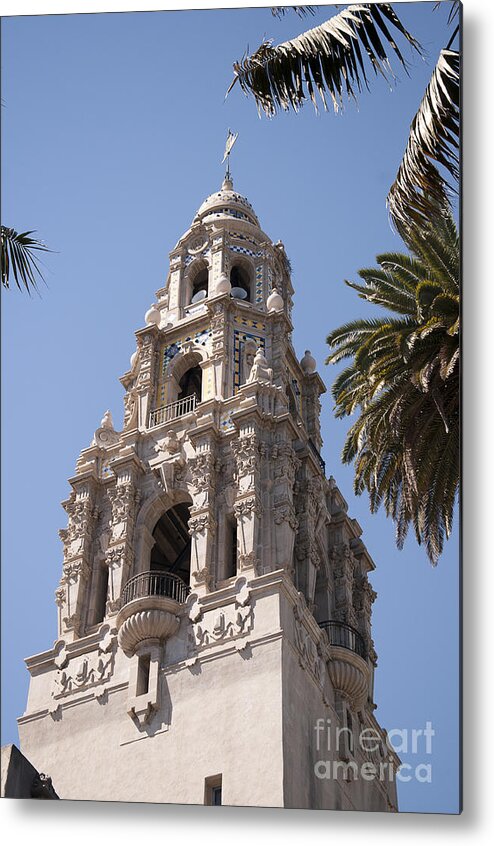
x,y
246,451
198,242
223,624
170,444
202,468
309,657
85,671
285,513
201,523
248,560
247,507
260,372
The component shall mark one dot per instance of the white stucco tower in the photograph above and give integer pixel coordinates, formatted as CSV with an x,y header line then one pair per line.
x,y
214,609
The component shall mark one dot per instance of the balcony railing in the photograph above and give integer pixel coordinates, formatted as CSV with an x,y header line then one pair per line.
x,y
320,459
155,583
341,634
172,410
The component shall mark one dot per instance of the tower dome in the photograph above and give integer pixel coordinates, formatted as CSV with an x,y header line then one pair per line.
x,y
226,203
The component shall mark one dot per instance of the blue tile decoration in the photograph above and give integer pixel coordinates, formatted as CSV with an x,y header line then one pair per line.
x,y
246,252
259,286
226,422
250,323
189,259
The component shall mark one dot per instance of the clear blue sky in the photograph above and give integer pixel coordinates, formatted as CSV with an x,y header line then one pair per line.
x,y
112,135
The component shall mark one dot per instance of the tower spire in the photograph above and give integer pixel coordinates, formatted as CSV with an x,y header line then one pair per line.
x,y
230,141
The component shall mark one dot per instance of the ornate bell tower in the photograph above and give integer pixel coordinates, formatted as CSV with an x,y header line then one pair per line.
x,y
214,609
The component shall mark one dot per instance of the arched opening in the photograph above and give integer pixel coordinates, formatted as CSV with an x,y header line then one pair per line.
x,y
191,384
97,610
171,550
292,403
240,282
199,288
231,547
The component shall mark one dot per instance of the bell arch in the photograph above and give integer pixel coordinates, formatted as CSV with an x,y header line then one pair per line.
x,y
196,280
185,374
242,274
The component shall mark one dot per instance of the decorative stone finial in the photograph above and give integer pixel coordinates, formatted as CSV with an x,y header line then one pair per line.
x,y
153,316
227,184
107,421
274,301
105,436
308,362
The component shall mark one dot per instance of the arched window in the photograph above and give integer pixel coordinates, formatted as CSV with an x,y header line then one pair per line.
x,y
292,402
240,282
199,288
191,384
231,551
99,594
171,550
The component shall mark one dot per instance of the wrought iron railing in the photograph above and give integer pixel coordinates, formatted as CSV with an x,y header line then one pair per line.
x,y
172,410
320,459
341,634
155,583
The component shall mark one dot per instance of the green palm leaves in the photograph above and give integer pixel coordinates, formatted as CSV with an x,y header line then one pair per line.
x,y
18,258
403,379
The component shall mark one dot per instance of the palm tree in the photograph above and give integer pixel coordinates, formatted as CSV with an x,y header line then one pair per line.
x,y
403,379
330,59
18,258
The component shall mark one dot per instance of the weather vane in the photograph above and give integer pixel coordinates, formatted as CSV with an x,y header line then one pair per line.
x,y
230,141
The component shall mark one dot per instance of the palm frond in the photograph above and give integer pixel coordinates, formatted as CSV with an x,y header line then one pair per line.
x,y
18,258
301,11
453,12
402,379
420,190
328,58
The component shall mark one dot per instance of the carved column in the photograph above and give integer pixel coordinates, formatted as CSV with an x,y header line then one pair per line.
x,y
284,467
217,323
147,340
248,506
124,497
202,523
343,562
363,598
312,389
77,538
280,328
310,512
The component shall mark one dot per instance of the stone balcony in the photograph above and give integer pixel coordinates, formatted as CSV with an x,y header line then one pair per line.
x,y
173,410
348,667
150,604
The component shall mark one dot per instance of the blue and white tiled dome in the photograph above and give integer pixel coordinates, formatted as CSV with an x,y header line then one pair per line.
x,y
227,203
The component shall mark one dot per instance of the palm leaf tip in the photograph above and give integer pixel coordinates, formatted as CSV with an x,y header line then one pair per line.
x,y
420,190
19,260
301,11
328,59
